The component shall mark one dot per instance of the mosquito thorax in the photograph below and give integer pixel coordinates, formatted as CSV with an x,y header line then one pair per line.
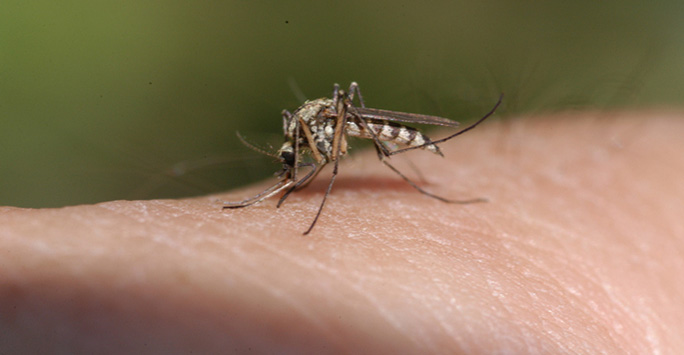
x,y
315,120
310,110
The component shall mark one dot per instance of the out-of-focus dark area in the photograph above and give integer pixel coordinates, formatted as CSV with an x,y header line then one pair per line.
x,y
131,99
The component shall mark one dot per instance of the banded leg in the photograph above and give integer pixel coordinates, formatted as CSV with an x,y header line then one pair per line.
x,y
339,135
354,88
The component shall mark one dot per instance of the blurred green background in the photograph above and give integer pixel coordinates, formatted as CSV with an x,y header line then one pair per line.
x,y
103,100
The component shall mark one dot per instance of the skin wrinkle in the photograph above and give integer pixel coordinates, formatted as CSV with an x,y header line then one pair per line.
x,y
562,288
431,295
385,311
291,300
355,286
499,304
425,339
597,313
256,282
295,303
409,289
503,308
635,196
550,276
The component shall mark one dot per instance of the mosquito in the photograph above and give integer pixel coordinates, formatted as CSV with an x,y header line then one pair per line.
x,y
319,129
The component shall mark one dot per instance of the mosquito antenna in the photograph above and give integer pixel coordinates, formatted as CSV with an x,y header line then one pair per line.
x,y
254,147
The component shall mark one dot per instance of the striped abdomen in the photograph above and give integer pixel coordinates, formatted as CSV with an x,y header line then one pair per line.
x,y
392,132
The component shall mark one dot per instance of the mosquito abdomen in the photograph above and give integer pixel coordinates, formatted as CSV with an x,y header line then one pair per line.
x,y
392,132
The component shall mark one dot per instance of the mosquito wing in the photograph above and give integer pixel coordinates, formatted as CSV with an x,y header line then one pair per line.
x,y
377,114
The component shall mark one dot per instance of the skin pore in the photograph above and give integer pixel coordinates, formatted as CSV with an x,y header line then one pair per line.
x,y
579,250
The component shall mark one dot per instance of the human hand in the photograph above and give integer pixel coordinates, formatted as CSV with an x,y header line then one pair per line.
x,y
579,250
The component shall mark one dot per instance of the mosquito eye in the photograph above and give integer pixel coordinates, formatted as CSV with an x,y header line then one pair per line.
x,y
287,158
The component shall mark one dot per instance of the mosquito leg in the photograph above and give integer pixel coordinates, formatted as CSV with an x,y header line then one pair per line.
x,y
421,177
309,176
325,197
336,93
427,193
382,158
304,185
354,87
381,155
338,138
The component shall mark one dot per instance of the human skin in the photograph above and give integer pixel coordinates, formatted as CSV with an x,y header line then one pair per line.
x,y
579,250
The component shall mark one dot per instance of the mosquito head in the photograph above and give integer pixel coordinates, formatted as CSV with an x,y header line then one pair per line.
x,y
287,156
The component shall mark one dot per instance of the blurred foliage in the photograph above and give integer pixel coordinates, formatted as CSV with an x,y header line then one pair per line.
x,y
112,100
